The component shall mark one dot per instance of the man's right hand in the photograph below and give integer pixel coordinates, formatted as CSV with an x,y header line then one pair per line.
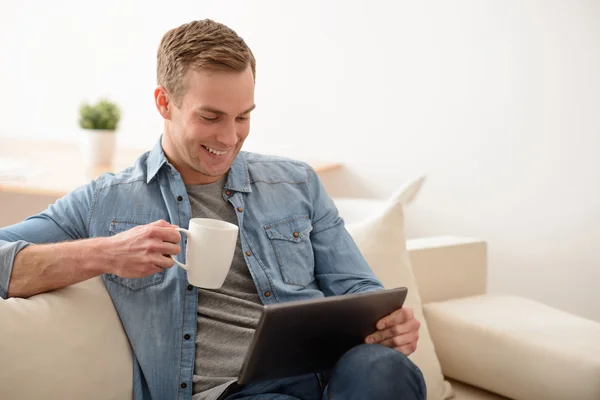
x,y
143,250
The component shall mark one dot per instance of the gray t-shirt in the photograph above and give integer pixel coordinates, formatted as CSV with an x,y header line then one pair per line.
x,y
227,317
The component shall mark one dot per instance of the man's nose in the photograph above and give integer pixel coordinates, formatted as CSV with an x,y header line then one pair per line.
x,y
228,135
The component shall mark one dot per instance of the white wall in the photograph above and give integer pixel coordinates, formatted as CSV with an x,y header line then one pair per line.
x,y
498,101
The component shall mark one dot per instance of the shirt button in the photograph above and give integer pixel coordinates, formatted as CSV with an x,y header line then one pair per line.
x,y
183,385
268,294
228,192
248,253
190,287
296,234
179,198
240,209
187,337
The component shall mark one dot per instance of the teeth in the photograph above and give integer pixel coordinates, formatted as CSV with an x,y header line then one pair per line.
x,y
218,153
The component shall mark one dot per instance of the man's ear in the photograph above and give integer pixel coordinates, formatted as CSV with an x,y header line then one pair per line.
x,y
163,102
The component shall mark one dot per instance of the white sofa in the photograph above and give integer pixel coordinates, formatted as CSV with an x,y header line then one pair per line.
x,y
69,344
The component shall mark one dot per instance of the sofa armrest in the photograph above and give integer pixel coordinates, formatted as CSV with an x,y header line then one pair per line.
x,y
74,335
448,267
516,347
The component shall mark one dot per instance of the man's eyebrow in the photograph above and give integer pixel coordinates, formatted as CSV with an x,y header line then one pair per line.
x,y
249,110
210,110
220,112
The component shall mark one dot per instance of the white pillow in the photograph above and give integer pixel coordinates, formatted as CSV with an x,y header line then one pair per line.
x,y
382,242
356,209
66,344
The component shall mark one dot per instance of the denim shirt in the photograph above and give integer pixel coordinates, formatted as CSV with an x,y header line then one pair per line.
x,y
296,247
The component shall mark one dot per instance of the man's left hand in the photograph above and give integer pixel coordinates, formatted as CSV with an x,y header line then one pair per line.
x,y
399,330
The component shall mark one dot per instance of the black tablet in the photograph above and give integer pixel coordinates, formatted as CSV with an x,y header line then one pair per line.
x,y
299,337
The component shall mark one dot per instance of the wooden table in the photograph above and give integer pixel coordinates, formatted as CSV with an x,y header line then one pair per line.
x,y
56,167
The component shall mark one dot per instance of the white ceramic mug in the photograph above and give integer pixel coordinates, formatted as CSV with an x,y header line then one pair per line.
x,y
209,251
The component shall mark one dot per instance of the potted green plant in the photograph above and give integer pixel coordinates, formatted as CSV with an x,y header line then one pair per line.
x,y
99,122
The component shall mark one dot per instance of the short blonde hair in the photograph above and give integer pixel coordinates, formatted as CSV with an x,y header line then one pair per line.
x,y
199,45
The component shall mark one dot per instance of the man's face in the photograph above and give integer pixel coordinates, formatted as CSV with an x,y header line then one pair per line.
x,y
204,135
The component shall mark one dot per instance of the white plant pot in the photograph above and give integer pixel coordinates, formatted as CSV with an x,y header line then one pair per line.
x,y
98,148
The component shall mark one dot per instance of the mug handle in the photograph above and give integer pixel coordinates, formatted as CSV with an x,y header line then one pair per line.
x,y
188,233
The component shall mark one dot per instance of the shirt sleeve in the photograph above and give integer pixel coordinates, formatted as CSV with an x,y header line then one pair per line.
x,y
340,267
65,220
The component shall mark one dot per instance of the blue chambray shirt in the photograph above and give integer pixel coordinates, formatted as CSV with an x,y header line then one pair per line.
x,y
298,245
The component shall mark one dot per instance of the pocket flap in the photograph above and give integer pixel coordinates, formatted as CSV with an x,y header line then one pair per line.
x,y
122,224
292,229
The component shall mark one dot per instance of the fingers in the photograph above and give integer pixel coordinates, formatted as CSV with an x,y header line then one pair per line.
x,y
168,249
403,337
163,223
163,262
407,349
396,330
401,340
171,235
397,317
157,246
163,233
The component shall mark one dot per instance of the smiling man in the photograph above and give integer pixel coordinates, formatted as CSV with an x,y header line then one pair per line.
x,y
189,343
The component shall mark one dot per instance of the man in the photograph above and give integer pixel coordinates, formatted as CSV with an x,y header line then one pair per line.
x,y
189,342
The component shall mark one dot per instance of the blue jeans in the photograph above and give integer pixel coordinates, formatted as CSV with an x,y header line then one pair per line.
x,y
367,371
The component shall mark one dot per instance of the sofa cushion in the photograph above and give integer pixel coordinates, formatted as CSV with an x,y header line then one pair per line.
x,y
66,344
517,347
381,240
463,391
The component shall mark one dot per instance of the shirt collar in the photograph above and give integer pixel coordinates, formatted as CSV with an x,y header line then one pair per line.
x,y
238,178
156,159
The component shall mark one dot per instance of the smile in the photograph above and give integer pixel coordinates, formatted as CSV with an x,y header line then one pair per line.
x,y
215,152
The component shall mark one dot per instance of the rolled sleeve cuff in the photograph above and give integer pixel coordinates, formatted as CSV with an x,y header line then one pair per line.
x,y
8,252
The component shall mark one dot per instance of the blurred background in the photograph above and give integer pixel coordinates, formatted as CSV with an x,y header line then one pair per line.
x,y
497,103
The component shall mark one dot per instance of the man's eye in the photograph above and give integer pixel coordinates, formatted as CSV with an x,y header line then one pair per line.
x,y
210,119
243,118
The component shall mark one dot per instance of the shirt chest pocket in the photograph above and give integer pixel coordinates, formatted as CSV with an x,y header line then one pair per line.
x,y
293,250
121,225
